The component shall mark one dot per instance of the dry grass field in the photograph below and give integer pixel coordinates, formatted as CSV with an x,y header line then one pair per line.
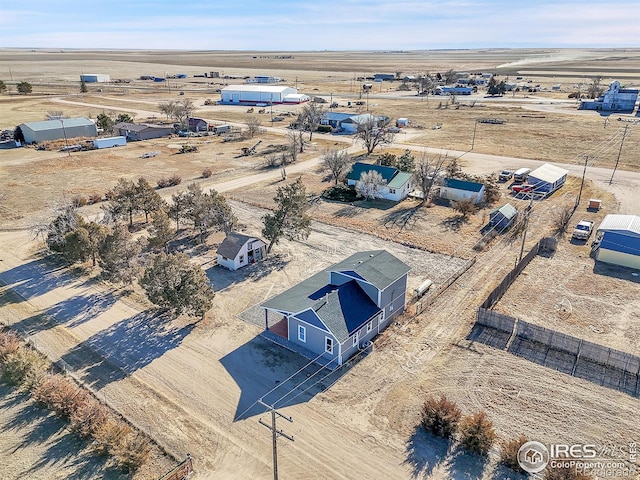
x,y
185,383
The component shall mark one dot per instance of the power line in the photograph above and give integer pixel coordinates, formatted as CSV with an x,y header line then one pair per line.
x,y
275,433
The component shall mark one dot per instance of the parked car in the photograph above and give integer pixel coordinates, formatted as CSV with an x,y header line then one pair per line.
x,y
583,230
524,188
505,175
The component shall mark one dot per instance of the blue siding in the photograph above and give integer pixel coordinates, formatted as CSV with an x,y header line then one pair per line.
x,y
620,243
311,318
315,338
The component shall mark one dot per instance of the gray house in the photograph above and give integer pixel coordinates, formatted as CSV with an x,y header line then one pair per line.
x,y
331,315
141,131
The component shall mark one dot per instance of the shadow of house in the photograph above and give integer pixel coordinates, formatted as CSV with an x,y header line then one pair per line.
x,y
275,376
425,452
403,217
36,278
124,348
222,278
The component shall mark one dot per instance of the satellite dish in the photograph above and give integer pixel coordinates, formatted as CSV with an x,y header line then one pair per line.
x,y
564,308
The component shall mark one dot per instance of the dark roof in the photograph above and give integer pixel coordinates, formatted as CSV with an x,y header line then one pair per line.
x,y
345,310
377,267
138,127
463,184
358,168
232,244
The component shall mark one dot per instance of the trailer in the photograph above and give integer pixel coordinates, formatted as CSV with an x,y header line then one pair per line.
x,y
109,142
220,129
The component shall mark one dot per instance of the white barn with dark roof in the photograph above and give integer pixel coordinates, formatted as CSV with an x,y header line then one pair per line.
x,y
238,250
330,316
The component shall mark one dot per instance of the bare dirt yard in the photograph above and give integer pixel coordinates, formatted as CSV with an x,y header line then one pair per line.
x,y
193,385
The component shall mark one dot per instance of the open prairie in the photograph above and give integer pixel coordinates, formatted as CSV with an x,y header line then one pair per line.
x,y
193,386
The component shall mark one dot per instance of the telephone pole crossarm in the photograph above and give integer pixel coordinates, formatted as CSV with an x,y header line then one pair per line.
x,y
275,433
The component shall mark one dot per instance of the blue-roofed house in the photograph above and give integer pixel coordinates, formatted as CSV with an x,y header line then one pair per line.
x,y
349,122
398,184
618,240
457,190
331,315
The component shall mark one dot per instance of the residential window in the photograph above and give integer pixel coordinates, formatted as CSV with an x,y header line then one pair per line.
x,y
392,190
328,345
356,339
369,326
302,333
241,258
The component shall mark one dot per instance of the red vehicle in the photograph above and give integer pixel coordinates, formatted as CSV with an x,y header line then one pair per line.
x,y
526,188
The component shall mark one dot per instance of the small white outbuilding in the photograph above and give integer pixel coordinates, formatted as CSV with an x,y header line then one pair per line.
x,y
238,250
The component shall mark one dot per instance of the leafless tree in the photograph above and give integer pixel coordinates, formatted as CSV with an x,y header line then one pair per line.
x,y
295,144
167,107
450,76
336,162
372,132
310,117
253,126
370,184
183,110
427,172
595,89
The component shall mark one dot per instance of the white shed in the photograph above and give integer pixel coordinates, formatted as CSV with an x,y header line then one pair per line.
x,y
457,190
238,250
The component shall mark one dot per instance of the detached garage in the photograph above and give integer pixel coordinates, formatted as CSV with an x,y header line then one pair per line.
x,y
618,240
458,190
547,178
254,94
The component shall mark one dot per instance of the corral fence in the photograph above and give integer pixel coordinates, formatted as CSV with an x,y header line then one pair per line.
x,y
180,472
567,354
571,355
501,289
435,293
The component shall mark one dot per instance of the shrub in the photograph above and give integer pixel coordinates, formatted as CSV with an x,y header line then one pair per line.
x,y
132,451
440,417
88,418
477,434
109,435
206,173
60,394
163,182
324,128
79,201
509,453
94,198
24,367
175,180
9,344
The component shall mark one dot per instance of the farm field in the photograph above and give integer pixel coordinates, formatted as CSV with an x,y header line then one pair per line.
x,y
193,385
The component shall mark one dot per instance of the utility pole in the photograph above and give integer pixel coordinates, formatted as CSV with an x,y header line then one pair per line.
x,y
626,127
584,172
526,227
473,140
275,433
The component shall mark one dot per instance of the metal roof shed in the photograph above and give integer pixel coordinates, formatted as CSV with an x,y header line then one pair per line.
x,y
619,240
548,178
47,130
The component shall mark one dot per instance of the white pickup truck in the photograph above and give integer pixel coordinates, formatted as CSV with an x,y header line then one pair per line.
x,y
583,230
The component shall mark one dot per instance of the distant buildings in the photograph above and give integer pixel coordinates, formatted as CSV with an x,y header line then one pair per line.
x,y
95,77
616,99
138,131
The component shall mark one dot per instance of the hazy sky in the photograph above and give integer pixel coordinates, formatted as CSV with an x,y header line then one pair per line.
x,y
319,25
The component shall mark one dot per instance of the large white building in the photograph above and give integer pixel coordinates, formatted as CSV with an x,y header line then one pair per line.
x,y
36,132
253,94
95,77
616,99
